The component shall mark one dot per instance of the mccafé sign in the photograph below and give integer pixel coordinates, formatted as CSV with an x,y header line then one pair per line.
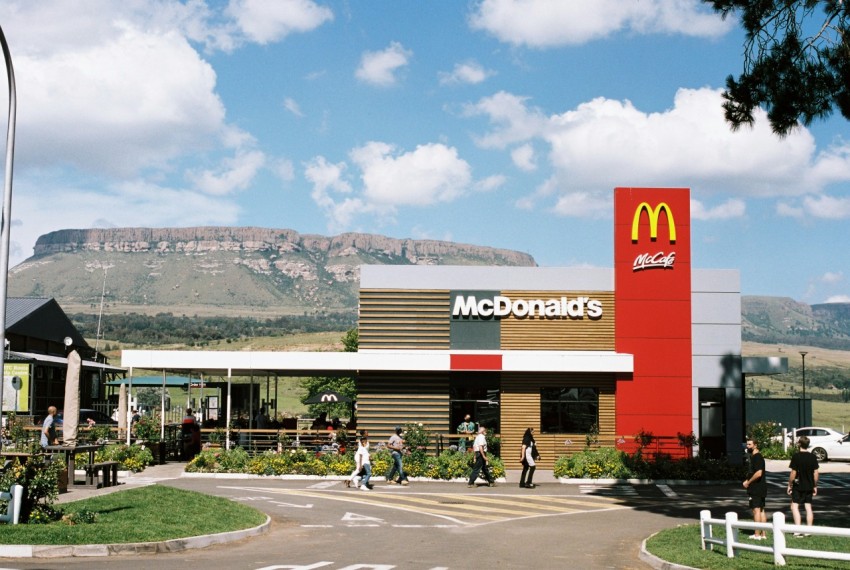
x,y
659,259
501,306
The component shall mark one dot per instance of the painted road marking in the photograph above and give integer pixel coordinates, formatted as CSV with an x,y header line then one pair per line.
x,y
461,509
609,490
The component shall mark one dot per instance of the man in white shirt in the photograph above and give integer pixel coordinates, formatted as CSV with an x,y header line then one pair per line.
x,y
363,464
479,446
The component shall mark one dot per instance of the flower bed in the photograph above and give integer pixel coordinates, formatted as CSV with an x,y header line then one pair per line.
x,y
449,465
609,463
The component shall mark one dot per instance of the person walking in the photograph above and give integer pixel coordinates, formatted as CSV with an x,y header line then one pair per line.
x,y
396,446
363,466
756,486
48,428
803,482
466,432
479,447
528,455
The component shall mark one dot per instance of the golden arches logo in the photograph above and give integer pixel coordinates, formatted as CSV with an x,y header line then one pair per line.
x,y
653,214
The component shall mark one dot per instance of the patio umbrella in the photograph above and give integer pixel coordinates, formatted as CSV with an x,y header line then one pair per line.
x,y
122,406
327,397
72,399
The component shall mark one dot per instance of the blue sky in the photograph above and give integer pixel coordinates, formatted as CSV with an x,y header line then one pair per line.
x,y
503,123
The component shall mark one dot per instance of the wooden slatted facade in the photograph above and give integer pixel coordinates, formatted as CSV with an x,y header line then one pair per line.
x,y
398,320
388,400
521,409
421,320
536,333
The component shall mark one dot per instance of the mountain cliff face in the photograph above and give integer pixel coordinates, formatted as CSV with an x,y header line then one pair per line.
x,y
224,270
780,320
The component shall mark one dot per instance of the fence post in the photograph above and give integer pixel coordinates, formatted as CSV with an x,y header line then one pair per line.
x,y
779,544
731,534
13,509
705,530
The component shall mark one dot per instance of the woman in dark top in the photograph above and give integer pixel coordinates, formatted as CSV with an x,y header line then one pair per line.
x,y
527,456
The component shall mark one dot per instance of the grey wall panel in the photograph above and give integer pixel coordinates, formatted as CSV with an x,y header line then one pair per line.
x,y
717,371
716,308
716,280
716,339
492,278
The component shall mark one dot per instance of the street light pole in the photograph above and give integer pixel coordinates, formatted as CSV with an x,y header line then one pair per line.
x,y
7,203
803,353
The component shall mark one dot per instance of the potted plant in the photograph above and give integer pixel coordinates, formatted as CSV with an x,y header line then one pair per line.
x,y
215,438
147,431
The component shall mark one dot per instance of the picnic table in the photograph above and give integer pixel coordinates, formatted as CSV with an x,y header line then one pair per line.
x,y
71,452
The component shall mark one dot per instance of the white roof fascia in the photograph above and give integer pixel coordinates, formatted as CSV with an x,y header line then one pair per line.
x,y
241,363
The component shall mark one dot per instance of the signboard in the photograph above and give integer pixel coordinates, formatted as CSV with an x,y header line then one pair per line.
x,y
16,398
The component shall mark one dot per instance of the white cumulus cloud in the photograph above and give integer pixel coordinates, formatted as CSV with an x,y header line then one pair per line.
x,y
235,173
604,143
264,22
431,173
380,67
549,23
731,208
469,72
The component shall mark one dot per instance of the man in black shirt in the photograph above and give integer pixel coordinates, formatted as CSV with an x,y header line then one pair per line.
x,y
803,482
756,486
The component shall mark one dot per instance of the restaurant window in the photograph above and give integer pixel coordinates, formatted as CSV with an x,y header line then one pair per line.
x,y
568,410
478,395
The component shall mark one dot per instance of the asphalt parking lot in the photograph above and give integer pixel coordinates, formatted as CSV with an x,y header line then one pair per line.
x,y
319,523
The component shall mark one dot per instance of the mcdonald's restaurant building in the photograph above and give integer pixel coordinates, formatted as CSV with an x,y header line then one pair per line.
x,y
648,346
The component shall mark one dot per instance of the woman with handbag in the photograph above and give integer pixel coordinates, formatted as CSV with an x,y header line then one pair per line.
x,y
528,455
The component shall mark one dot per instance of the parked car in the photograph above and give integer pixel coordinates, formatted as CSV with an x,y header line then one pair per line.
x,y
819,437
836,450
85,414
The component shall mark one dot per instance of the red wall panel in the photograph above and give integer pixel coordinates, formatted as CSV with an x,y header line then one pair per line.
x,y
652,283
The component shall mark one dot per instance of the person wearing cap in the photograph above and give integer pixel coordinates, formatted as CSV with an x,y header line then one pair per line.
x,y
396,446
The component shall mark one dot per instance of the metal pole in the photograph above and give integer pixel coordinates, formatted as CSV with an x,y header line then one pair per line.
x,y
7,205
803,354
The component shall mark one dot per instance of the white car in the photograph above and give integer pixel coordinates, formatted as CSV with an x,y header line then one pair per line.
x,y
837,449
819,438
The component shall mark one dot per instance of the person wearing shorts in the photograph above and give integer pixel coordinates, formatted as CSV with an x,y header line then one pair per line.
x,y
803,483
756,486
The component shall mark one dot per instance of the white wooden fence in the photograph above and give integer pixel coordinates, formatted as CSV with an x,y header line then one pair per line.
x,y
780,530
13,508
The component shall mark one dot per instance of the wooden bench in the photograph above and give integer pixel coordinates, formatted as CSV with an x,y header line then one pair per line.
x,y
104,474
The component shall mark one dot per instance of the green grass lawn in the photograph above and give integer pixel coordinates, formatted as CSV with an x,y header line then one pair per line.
x,y
146,514
681,545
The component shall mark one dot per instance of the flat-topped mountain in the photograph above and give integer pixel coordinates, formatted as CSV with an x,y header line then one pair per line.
x,y
228,271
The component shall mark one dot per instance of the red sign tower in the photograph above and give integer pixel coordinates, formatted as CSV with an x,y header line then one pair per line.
x,y
652,284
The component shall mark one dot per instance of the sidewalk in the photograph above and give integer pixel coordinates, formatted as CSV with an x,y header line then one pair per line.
x,y
151,474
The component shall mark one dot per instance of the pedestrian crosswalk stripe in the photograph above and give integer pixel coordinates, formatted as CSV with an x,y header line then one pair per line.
x,y
457,508
609,490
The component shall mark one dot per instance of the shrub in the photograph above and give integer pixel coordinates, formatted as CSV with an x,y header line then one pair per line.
x,y
774,451
764,433
131,457
602,463
40,480
608,462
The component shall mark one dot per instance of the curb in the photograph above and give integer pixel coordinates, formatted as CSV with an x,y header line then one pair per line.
x,y
131,548
658,563
681,482
195,475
